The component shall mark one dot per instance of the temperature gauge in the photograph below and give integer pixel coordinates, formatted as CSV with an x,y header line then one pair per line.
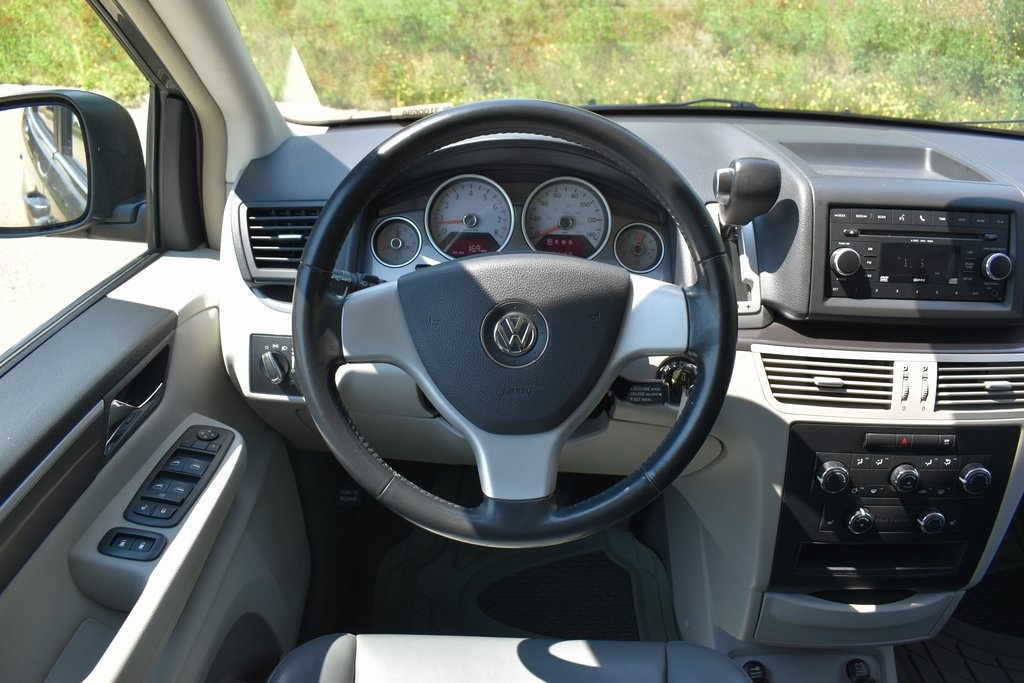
x,y
639,248
396,242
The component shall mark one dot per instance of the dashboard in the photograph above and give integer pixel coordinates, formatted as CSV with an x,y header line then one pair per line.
x,y
880,311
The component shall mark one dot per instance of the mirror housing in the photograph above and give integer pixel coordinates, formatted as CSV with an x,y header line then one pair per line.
x,y
116,173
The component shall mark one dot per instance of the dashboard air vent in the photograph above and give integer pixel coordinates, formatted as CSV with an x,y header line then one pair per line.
x,y
980,386
277,235
830,382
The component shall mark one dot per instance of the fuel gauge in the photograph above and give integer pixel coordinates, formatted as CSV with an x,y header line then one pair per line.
x,y
639,248
396,242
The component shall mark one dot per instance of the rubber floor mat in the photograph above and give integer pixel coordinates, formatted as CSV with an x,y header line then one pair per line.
x,y
984,641
607,586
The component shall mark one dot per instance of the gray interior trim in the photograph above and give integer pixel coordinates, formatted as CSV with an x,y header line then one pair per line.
x,y
454,659
138,642
78,365
49,461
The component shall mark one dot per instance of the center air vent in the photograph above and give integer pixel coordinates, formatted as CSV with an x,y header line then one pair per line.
x,y
980,386
830,382
277,235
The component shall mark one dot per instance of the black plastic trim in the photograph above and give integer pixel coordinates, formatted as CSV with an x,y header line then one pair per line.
x,y
190,464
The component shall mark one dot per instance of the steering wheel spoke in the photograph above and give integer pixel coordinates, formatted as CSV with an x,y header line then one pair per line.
x,y
373,328
656,322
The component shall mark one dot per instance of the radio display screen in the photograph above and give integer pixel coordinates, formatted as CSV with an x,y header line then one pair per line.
x,y
930,264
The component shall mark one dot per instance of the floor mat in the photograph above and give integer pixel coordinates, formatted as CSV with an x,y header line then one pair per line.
x,y
607,586
984,641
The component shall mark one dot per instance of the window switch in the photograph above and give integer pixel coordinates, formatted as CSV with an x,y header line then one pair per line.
x,y
175,464
194,466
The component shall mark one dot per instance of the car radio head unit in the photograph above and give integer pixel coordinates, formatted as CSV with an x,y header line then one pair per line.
x,y
918,255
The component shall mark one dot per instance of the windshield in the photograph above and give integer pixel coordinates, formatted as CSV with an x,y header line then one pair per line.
x,y
957,60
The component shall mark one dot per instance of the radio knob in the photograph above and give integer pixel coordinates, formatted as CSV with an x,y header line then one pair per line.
x,y
833,477
860,521
975,478
931,521
845,261
997,267
905,478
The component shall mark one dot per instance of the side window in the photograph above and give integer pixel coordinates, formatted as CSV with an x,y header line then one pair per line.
x,y
44,167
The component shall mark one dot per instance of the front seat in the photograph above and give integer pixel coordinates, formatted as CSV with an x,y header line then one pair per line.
x,y
457,659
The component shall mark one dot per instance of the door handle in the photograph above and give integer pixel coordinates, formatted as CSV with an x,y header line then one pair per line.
x,y
123,417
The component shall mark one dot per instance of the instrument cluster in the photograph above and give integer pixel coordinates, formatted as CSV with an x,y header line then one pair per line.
x,y
469,214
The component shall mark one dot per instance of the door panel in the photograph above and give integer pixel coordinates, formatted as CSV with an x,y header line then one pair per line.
x,y
55,409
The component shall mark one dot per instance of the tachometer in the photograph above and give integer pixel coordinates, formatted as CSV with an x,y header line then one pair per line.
x,y
469,214
567,216
639,248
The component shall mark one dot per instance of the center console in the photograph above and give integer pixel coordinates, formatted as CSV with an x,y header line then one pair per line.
x,y
888,510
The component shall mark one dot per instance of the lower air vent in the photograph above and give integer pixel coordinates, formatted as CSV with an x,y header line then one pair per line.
x,y
830,382
980,386
277,235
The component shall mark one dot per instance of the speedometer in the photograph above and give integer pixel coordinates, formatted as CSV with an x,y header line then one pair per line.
x,y
469,214
567,216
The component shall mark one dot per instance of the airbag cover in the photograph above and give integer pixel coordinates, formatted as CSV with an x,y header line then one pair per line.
x,y
534,373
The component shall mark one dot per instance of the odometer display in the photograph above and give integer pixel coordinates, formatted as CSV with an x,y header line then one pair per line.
x,y
567,216
469,214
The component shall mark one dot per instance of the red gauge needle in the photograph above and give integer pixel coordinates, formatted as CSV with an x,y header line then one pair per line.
x,y
454,220
639,237
547,232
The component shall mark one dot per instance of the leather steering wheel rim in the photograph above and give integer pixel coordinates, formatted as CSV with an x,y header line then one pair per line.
x,y
710,309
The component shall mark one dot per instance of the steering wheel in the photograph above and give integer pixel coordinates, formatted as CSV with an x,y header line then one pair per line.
x,y
514,350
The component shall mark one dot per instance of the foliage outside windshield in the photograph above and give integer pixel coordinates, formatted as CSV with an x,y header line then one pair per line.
x,y
944,60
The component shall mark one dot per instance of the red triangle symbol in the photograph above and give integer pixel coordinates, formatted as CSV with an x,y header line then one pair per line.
x,y
903,442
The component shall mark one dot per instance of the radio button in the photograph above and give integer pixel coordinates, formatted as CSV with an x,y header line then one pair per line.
x,y
901,217
851,232
969,265
922,217
961,219
881,216
941,218
869,248
1000,220
861,216
870,263
837,215
981,220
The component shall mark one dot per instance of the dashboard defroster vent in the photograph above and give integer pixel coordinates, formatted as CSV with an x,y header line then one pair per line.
x,y
830,382
980,386
277,235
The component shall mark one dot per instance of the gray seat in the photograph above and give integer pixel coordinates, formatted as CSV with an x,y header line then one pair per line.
x,y
458,659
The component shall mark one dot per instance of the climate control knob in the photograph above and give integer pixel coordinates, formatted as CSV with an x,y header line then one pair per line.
x,y
860,521
975,478
275,366
833,477
845,261
997,267
905,478
931,521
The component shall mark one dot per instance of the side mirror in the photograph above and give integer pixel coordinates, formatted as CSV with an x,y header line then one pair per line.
x,y
69,160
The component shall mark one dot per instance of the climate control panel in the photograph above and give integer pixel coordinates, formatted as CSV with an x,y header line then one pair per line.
x,y
887,508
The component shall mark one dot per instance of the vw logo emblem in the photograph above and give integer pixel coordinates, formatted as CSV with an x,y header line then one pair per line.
x,y
515,334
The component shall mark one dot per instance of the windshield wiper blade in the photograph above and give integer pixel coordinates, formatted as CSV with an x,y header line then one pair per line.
x,y
734,104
